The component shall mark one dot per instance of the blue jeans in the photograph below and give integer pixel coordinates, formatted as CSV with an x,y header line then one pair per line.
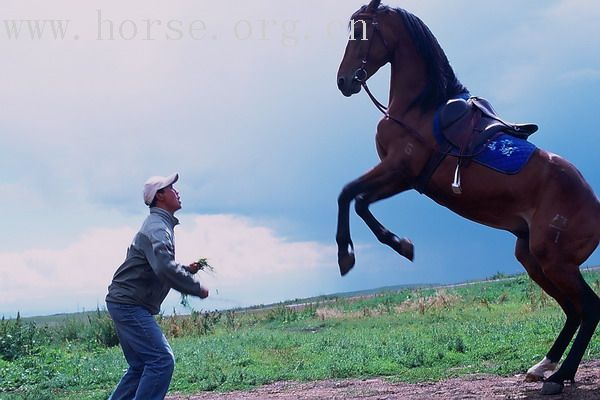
x,y
150,358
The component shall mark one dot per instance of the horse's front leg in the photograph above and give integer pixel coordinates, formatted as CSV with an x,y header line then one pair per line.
x,y
402,246
344,242
378,177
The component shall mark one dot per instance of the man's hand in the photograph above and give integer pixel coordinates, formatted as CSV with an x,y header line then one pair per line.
x,y
193,267
201,264
203,293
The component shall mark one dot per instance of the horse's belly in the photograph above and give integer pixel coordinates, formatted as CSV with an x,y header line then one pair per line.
x,y
487,197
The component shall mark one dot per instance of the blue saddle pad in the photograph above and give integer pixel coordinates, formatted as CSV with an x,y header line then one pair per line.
x,y
506,154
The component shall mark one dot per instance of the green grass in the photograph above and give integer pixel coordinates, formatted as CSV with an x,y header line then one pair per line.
x,y
411,335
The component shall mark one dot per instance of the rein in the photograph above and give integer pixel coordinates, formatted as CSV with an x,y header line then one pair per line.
x,y
380,107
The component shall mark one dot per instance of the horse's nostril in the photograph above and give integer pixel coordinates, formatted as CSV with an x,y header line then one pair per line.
x,y
341,82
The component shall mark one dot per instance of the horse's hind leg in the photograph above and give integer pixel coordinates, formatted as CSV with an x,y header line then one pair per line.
x,y
587,304
560,253
550,361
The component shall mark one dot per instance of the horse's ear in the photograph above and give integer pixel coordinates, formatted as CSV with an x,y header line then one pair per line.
x,y
373,5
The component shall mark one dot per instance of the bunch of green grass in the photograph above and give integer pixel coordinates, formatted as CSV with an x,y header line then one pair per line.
x,y
204,266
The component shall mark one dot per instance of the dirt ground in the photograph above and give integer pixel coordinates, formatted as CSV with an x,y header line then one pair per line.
x,y
586,387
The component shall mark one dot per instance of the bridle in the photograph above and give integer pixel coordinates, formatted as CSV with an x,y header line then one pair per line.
x,y
361,75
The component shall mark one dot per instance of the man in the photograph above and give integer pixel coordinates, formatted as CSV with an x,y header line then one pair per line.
x,y
139,287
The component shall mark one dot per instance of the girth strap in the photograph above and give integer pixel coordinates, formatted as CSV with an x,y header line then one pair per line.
x,y
432,165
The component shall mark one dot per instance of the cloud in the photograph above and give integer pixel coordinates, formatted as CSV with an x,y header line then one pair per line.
x,y
70,105
55,280
13,193
554,43
253,265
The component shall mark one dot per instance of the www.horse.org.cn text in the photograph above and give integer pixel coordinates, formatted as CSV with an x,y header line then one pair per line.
x,y
285,32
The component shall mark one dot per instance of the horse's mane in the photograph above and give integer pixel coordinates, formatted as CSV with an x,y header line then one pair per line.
x,y
442,83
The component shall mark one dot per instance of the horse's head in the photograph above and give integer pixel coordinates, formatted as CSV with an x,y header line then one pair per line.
x,y
370,46
420,70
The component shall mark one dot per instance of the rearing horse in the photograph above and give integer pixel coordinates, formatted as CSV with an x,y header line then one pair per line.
x,y
548,205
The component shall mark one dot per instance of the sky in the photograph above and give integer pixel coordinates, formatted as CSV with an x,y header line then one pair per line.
x,y
240,98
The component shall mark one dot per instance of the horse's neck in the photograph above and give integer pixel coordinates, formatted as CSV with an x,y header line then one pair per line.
x,y
402,93
407,80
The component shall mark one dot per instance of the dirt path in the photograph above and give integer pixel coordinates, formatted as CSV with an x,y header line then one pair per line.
x,y
478,387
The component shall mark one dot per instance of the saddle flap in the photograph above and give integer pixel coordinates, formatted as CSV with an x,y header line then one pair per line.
x,y
460,123
519,130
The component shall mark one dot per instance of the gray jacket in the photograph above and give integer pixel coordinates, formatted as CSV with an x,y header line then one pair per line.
x,y
150,270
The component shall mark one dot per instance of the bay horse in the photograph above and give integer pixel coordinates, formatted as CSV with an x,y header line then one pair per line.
x,y
548,205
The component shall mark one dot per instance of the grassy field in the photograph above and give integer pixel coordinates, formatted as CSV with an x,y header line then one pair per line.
x,y
500,327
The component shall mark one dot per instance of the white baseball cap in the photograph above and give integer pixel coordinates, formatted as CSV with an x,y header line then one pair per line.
x,y
155,183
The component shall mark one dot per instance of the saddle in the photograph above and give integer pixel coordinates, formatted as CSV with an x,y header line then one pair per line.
x,y
466,126
469,124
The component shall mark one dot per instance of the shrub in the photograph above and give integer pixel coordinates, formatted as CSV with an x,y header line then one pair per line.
x,y
196,324
18,339
101,329
230,321
71,329
281,313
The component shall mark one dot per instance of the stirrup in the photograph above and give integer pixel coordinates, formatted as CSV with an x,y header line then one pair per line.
x,y
456,184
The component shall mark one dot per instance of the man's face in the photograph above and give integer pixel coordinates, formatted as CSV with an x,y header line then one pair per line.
x,y
170,199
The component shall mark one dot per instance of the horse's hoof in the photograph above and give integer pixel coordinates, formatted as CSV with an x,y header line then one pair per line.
x,y
550,387
533,378
346,262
